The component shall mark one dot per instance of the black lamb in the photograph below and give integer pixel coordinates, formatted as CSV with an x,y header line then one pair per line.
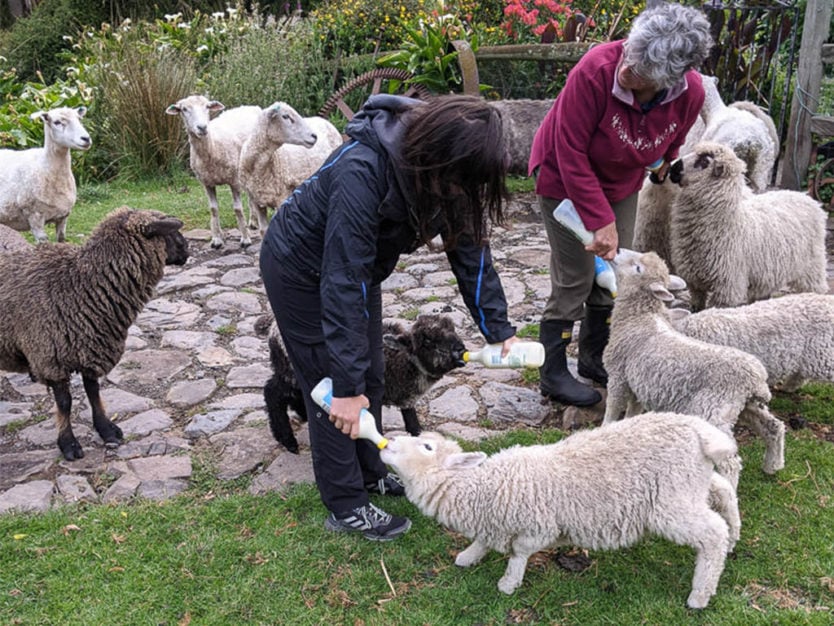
x,y
415,359
67,308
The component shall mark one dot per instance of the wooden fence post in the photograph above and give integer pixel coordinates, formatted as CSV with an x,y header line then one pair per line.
x,y
806,93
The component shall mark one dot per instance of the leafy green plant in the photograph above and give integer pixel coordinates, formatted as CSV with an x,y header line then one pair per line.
x,y
428,54
267,63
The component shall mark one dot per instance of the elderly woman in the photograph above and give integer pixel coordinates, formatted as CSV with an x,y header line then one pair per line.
x,y
626,106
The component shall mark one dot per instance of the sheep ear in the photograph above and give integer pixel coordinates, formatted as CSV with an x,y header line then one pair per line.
x,y
215,105
82,111
718,169
464,460
395,342
676,315
163,227
660,292
676,283
173,109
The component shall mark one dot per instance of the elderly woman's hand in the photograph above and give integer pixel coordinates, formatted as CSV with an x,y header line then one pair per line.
x,y
605,242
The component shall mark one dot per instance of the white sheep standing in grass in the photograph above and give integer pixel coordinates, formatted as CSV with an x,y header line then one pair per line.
x,y
283,150
744,127
37,186
792,335
214,146
653,367
597,489
732,246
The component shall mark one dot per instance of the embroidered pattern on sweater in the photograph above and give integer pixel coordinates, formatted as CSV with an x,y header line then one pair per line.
x,y
641,143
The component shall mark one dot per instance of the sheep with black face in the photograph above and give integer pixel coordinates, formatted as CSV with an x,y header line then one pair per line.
x,y
415,359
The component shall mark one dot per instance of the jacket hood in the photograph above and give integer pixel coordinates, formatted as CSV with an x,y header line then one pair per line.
x,y
379,123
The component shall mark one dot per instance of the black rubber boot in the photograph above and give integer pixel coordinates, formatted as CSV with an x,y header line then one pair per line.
x,y
557,383
593,337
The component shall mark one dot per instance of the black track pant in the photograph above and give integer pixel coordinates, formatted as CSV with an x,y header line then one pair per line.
x,y
342,466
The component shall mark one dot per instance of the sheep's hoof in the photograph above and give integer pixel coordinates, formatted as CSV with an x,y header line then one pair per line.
x,y
71,449
245,244
698,600
291,446
216,244
507,586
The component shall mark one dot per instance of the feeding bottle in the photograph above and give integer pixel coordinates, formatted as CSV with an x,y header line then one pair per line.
x,y
567,216
322,395
604,275
655,167
522,354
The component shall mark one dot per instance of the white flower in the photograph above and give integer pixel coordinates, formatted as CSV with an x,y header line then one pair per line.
x,y
219,15
203,48
172,17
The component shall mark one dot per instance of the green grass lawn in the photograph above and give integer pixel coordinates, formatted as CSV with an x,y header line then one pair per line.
x,y
220,556
180,195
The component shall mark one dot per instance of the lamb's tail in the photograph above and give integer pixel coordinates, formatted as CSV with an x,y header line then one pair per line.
x,y
757,111
716,445
263,323
279,420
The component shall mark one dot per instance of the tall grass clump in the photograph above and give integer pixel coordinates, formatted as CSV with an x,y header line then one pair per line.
x,y
133,90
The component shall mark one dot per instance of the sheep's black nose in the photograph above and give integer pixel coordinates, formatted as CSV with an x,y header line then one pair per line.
x,y
457,353
676,171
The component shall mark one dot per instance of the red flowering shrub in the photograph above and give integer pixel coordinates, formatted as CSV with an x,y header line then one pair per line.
x,y
527,20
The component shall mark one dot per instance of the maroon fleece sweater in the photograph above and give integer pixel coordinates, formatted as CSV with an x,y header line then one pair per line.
x,y
595,142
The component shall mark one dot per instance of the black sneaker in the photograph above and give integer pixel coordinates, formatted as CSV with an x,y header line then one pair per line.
x,y
374,523
389,485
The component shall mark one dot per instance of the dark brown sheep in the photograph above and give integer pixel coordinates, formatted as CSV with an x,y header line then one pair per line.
x,y
415,359
67,308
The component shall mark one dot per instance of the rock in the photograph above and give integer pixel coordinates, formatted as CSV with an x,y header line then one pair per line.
x,y
31,497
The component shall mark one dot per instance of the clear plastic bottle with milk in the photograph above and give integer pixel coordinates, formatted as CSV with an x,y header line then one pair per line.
x,y
521,354
567,216
322,395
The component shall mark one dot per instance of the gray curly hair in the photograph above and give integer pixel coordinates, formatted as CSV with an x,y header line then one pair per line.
x,y
667,41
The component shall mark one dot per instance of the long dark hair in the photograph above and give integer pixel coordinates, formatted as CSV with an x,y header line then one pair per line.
x,y
454,150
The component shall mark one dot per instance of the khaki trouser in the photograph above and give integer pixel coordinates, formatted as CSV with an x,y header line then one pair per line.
x,y
572,267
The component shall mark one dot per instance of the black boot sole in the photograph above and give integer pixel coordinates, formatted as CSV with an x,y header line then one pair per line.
x,y
568,402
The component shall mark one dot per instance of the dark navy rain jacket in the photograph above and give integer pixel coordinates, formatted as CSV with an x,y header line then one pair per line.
x,y
344,229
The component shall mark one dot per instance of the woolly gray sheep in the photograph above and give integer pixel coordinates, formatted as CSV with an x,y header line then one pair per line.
x,y
282,151
651,224
520,119
742,126
732,246
37,186
793,335
597,489
653,367
415,359
66,308
215,153
745,128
